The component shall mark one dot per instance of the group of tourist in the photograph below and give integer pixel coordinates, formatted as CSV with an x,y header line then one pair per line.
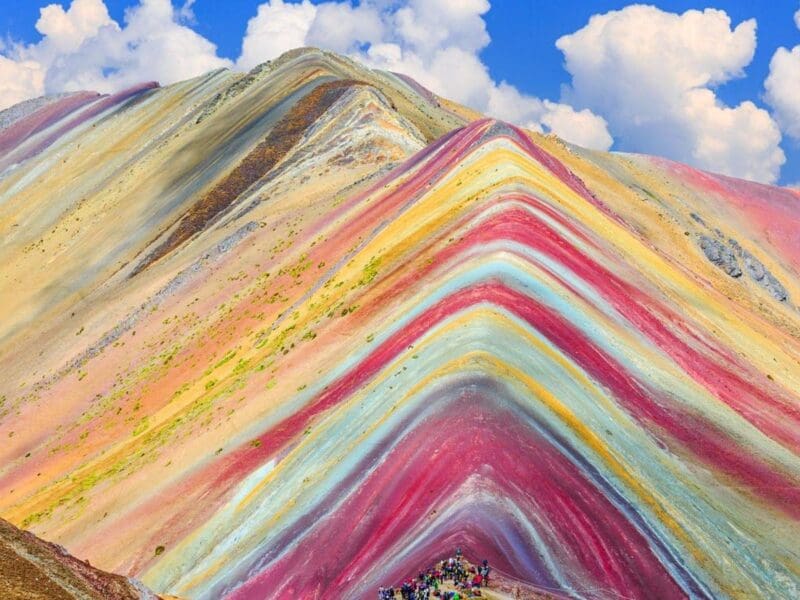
x,y
466,579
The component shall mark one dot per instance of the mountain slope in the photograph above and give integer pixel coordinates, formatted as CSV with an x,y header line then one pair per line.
x,y
307,329
34,570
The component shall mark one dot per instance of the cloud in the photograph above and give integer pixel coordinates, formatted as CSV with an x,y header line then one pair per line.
x,y
276,28
186,12
65,31
344,28
783,87
651,75
579,127
19,80
83,48
646,75
23,69
118,57
437,42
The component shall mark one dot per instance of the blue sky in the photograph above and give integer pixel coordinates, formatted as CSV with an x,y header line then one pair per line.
x,y
530,27
521,52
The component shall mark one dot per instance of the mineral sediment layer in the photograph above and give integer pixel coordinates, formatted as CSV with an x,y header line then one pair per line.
x,y
299,332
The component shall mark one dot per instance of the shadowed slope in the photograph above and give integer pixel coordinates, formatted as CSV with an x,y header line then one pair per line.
x,y
31,569
282,137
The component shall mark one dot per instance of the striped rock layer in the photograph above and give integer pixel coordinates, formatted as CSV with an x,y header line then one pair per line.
x,y
299,332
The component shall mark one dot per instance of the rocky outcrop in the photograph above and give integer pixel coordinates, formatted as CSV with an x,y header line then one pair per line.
x,y
719,254
727,254
756,270
32,569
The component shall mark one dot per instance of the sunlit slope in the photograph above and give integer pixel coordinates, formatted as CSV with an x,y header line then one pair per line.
x,y
272,326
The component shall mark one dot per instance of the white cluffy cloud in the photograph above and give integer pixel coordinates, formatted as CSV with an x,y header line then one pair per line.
x,y
783,87
437,42
82,48
646,75
651,74
19,80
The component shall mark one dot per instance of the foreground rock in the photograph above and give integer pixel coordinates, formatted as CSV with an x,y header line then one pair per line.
x,y
32,569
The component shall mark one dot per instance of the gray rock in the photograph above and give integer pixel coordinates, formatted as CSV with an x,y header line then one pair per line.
x,y
753,267
757,272
722,256
761,275
774,288
14,113
698,219
233,90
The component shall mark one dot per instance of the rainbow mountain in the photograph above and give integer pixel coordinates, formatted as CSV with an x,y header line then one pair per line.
x,y
300,332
